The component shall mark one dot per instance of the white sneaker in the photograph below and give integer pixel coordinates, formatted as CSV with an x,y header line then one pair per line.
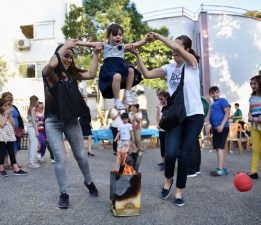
x,y
129,100
39,156
33,165
52,161
119,106
41,160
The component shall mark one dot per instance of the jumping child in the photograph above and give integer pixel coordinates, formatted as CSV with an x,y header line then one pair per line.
x,y
115,74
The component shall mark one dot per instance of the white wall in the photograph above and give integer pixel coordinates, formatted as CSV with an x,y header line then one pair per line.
x,y
234,55
177,25
13,14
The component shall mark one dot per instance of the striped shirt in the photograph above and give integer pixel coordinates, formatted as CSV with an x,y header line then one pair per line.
x,y
255,110
7,132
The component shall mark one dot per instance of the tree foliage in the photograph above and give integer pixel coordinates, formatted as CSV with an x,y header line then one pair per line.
x,y
90,21
254,13
3,73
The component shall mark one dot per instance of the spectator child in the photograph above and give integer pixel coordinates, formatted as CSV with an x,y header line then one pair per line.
x,y
126,136
135,117
7,139
254,116
219,114
163,98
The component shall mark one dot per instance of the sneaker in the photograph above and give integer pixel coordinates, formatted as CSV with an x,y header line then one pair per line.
x,y
198,172
165,192
92,189
33,165
119,106
3,173
63,201
219,172
52,161
39,156
179,202
20,173
160,164
253,175
129,100
191,174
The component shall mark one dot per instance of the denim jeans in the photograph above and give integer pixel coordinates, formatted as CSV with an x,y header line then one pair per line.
x,y
73,133
179,143
33,144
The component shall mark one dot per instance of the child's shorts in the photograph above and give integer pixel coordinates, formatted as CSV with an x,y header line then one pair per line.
x,y
219,139
123,146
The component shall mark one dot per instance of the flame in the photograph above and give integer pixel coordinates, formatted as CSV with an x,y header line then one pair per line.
x,y
128,170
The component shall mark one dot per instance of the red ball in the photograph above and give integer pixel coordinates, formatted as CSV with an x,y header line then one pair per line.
x,y
243,182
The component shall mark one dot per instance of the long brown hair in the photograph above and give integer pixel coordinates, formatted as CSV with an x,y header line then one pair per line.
x,y
187,43
257,78
33,100
72,72
2,102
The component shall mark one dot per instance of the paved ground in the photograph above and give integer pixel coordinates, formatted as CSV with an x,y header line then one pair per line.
x,y
209,200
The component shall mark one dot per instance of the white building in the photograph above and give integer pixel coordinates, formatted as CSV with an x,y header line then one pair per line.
x,y
229,46
31,30
228,43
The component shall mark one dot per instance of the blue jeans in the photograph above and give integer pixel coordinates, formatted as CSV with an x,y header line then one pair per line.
x,y
72,130
179,143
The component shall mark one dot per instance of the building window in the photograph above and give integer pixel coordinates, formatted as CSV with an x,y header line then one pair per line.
x,y
38,30
31,70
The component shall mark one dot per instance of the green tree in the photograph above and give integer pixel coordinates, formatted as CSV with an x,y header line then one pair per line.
x,y
3,73
253,13
89,22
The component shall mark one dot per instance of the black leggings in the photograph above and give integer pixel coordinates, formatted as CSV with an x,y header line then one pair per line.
x,y
162,135
114,134
7,147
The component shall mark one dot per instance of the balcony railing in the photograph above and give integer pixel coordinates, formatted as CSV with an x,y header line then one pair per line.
x,y
182,11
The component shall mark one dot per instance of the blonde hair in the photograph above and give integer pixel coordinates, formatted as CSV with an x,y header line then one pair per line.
x,y
33,100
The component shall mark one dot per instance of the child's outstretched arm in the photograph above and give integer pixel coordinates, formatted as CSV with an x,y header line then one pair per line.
x,y
91,74
88,44
149,74
149,38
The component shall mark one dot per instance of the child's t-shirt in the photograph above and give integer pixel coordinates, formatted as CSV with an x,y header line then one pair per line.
x,y
217,112
113,51
135,123
255,110
125,132
7,132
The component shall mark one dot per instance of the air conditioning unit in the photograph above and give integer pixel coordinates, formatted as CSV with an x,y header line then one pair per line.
x,y
23,43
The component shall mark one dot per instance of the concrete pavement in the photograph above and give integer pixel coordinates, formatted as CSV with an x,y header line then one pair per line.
x,y
32,200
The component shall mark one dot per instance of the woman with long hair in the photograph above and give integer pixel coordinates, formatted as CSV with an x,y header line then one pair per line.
x,y
61,69
179,139
33,133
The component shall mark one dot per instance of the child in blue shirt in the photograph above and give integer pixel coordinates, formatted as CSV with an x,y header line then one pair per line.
x,y
219,114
